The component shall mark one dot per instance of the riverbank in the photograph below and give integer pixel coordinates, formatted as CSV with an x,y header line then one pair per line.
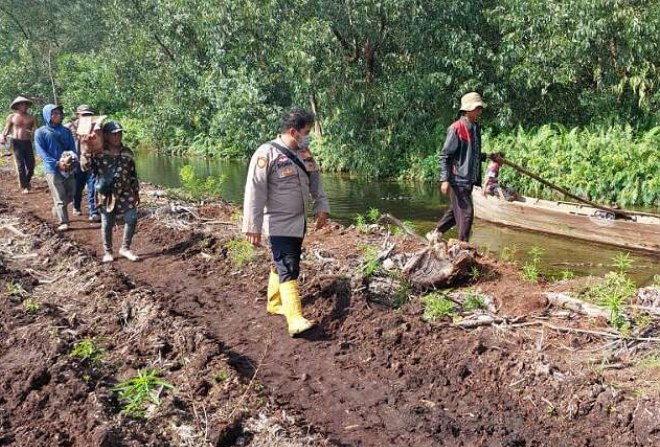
x,y
375,372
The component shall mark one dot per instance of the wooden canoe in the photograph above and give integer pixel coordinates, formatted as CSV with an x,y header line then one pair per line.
x,y
642,232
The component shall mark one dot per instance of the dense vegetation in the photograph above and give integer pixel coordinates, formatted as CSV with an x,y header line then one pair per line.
x,y
384,76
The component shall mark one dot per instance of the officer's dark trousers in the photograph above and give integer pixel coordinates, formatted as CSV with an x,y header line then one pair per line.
x,y
461,212
286,256
24,159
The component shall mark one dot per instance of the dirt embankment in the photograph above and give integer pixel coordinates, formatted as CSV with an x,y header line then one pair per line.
x,y
369,375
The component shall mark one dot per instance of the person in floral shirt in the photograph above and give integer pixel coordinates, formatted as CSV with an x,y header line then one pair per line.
x,y
117,189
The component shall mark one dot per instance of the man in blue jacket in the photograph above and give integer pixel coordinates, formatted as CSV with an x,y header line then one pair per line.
x,y
57,149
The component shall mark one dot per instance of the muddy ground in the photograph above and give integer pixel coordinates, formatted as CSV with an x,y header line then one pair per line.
x,y
374,372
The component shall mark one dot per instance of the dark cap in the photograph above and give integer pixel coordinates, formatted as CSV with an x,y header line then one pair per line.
x,y
112,127
84,109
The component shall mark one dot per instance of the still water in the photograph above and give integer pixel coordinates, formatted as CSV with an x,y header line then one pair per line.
x,y
420,204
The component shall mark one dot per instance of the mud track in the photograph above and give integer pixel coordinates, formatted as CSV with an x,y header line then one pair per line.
x,y
369,375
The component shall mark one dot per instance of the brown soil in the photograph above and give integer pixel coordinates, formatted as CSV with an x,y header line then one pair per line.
x,y
369,375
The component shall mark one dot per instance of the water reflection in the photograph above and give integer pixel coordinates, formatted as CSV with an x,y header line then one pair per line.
x,y
420,204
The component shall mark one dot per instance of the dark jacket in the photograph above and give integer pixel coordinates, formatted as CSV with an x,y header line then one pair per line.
x,y
50,141
461,157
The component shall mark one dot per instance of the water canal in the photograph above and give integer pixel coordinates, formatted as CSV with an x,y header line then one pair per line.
x,y
419,204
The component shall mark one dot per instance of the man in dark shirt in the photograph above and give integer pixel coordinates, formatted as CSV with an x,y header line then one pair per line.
x,y
460,168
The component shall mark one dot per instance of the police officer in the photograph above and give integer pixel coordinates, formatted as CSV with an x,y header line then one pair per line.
x,y
281,178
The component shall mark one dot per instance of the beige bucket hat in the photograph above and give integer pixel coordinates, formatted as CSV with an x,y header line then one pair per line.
x,y
18,100
84,109
471,101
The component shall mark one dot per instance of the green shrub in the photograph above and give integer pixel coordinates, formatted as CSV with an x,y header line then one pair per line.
x,y
370,264
136,392
195,188
88,350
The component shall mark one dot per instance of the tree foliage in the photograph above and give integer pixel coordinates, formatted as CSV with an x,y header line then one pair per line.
x,y
384,76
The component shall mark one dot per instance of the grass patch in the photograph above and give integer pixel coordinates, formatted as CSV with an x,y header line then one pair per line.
x,y
651,361
240,252
436,305
136,392
15,289
31,306
473,301
221,376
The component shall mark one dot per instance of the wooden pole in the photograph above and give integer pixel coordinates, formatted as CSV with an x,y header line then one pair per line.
x,y
52,81
564,191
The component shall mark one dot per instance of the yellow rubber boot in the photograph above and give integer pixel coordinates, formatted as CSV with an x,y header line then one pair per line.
x,y
293,308
274,304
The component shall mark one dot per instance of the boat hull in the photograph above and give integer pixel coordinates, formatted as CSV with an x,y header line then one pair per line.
x,y
571,220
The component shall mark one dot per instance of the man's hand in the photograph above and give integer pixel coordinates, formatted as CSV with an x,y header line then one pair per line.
x,y
321,219
444,188
497,157
3,140
254,238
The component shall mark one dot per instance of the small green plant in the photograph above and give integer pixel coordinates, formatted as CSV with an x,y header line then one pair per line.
x,y
135,392
240,252
475,273
361,223
15,289
195,188
473,301
508,254
370,264
221,376
656,280
436,305
400,232
31,306
204,243
88,350
615,290
623,262
530,270
567,274
373,215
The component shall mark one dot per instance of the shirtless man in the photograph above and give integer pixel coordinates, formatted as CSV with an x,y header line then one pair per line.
x,y
20,126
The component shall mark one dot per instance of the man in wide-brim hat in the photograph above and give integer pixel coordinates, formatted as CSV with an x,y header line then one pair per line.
x,y
19,127
460,167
